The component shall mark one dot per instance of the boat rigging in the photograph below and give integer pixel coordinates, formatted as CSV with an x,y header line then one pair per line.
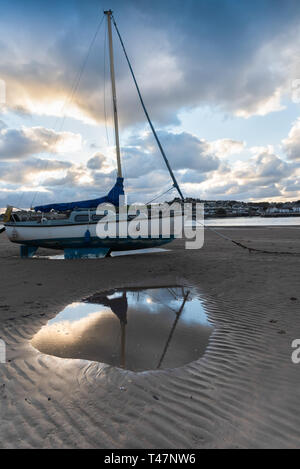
x,y
71,226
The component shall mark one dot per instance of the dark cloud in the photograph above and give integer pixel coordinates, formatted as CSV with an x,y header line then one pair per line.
x,y
23,171
263,176
191,177
265,168
97,162
235,55
15,144
184,151
20,143
291,145
199,171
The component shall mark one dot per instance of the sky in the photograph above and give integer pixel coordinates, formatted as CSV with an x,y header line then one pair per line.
x,y
220,80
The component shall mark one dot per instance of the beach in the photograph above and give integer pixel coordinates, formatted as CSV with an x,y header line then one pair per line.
x,y
243,393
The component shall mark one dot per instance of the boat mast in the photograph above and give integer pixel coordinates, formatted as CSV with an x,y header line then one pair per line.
x,y
108,13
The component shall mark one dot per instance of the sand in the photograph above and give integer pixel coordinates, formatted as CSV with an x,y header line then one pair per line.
x,y
243,393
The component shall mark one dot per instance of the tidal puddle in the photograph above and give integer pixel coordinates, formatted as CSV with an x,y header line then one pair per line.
x,y
135,329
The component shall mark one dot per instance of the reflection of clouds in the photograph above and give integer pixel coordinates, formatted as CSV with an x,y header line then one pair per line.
x,y
66,334
155,301
76,311
159,295
74,305
78,332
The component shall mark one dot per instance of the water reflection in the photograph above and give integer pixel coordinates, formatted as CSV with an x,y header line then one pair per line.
x,y
136,329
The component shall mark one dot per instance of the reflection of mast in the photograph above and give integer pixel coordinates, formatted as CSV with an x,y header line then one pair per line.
x,y
178,314
123,345
119,307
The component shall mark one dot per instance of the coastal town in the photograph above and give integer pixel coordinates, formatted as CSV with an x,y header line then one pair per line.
x,y
232,208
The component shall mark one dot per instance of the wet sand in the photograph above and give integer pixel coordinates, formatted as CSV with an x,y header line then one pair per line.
x,y
243,393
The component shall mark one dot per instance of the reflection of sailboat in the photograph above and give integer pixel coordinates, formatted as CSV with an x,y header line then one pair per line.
x,y
119,306
136,329
72,226
178,314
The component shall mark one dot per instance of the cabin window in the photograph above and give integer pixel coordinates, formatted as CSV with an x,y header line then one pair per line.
x,y
82,218
97,217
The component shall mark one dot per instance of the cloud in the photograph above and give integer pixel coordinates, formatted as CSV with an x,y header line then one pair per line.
x,y
191,176
203,169
265,175
264,168
97,162
144,169
226,147
20,143
25,171
37,181
2,125
184,151
291,145
239,58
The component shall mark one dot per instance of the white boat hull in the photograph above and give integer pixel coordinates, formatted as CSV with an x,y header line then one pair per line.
x,y
86,235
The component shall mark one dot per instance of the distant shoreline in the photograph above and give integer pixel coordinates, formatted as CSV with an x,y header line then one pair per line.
x,y
280,215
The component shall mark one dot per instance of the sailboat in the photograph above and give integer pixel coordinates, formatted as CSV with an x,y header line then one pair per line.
x,y
72,227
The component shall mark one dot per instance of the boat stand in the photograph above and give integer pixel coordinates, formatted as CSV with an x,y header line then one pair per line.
x,y
69,253
27,251
86,253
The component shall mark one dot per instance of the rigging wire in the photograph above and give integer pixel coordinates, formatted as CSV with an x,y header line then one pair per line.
x,y
166,160
72,93
157,300
175,183
170,290
160,195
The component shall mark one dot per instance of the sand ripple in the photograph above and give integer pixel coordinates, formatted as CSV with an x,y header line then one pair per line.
x,y
233,396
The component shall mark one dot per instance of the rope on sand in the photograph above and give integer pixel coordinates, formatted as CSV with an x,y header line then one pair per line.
x,y
265,251
250,249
